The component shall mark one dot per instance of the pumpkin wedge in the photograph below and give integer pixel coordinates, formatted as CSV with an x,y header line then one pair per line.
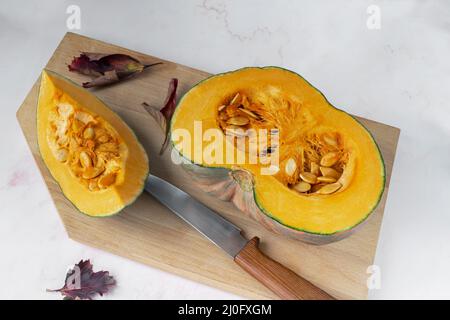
x,y
89,150
328,175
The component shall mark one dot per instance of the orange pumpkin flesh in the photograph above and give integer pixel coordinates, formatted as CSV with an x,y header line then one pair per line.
x,y
310,129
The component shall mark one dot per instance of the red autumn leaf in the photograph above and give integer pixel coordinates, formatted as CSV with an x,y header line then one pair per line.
x,y
164,115
82,283
107,68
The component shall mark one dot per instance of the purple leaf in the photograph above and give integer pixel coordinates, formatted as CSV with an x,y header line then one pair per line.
x,y
163,116
106,68
82,283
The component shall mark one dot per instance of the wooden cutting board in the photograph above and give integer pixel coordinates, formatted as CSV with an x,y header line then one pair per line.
x,y
149,233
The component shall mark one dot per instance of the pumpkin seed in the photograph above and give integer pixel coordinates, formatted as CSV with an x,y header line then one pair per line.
x,y
61,127
65,110
103,139
329,172
302,186
84,117
314,168
326,179
62,141
244,101
329,159
238,121
250,113
308,177
107,180
330,140
290,167
93,186
235,99
316,187
88,133
221,107
61,155
92,172
85,159
329,188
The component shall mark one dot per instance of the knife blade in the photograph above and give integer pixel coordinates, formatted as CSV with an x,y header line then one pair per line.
x,y
213,226
281,280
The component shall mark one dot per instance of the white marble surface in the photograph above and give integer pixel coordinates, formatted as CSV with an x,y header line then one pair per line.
x,y
399,74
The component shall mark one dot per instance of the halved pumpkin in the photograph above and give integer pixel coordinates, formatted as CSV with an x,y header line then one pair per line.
x,y
92,154
318,172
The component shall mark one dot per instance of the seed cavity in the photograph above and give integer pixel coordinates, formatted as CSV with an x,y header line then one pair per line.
x,y
86,145
315,165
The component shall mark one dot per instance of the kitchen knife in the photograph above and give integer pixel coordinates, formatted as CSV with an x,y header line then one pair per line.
x,y
282,281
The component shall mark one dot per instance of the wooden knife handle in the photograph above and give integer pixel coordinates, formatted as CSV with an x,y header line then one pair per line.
x,y
282,281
